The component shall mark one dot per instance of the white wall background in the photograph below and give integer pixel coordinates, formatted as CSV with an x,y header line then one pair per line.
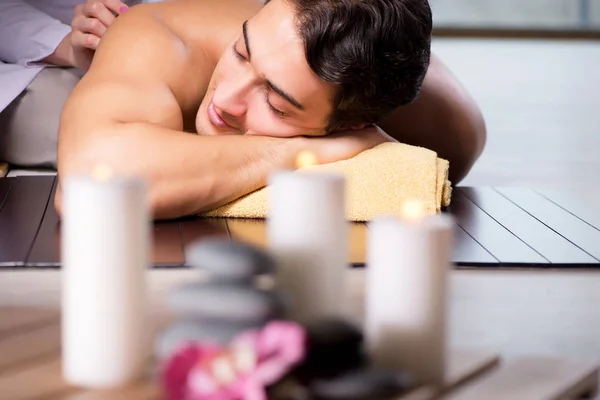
x,y
511,13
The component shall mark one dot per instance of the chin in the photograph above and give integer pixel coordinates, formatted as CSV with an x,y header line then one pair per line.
x,y
203,125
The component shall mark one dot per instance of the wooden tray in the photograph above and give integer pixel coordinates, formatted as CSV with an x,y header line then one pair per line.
x,y
30,368
495,227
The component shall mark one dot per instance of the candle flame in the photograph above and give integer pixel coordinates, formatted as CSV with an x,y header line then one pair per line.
x,y
101,172
412,210
306,159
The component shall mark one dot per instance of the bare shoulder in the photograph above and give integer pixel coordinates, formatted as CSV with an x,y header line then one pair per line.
x,y
207,26
207,13
136,74
140,47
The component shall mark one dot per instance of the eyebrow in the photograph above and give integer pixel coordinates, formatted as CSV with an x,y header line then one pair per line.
x,y
273,87
245,32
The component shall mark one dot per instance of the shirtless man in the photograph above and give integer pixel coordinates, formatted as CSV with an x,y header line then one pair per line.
x,y
258,84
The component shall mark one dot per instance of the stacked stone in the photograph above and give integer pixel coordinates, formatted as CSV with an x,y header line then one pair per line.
x,y
216,309
227,302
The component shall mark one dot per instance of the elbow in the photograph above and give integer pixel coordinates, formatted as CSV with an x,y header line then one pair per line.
x,y
79,157
471,132
120,154
113,152
478,131
81,154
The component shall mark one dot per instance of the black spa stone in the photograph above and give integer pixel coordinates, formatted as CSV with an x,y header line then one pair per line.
x,y
198,330
363,384
334,346
333,332
228,261
230,302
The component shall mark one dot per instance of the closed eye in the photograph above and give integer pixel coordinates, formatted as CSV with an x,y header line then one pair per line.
x,y
237,54
273,109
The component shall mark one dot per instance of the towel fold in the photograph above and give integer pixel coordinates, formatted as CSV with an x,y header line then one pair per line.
x,y
378,181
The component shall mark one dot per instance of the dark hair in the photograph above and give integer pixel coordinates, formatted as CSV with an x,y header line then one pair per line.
x,y
376,51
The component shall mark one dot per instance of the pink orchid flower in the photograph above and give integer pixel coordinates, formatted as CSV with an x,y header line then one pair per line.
x,y
252,361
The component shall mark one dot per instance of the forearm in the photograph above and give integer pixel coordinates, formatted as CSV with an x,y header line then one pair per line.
x,y
187,173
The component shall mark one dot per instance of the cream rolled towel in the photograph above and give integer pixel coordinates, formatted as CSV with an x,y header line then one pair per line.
x,y
378,181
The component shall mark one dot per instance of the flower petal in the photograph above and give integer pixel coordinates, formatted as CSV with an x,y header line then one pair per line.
x,y
281,346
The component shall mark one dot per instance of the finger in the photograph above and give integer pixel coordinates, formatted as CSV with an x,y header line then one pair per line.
x,y
89,25
116,6
78,9
87,40
99,11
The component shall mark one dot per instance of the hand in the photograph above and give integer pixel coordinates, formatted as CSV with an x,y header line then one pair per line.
x,y
344,145
91,20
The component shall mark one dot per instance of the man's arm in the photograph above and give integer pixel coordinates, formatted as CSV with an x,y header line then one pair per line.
x,y
124,114
444,118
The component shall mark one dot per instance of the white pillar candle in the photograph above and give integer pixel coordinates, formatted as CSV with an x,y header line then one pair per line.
x,y
406,290
105,254
308,235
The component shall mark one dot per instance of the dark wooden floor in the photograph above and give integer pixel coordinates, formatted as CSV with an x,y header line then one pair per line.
x,y
495,227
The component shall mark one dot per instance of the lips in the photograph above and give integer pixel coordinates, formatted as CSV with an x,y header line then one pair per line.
x,y
215,118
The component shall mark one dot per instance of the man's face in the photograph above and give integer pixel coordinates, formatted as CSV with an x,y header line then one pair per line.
x,y
262,84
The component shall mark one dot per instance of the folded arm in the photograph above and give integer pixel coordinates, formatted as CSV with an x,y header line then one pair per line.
x,y
126,114
444,118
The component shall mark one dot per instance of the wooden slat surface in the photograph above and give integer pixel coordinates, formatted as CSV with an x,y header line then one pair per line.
x,y
499,242
147,390
30,368
34,356
21,216
254,231
167,250
545,241
564,223
39,381
532,378
357,243
45,251
30,352
495,228
200,228
28,345
467,252
251,231
15,319
4,189
464,365
585,208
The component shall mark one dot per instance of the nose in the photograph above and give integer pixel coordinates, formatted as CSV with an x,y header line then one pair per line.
x,y
231,95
